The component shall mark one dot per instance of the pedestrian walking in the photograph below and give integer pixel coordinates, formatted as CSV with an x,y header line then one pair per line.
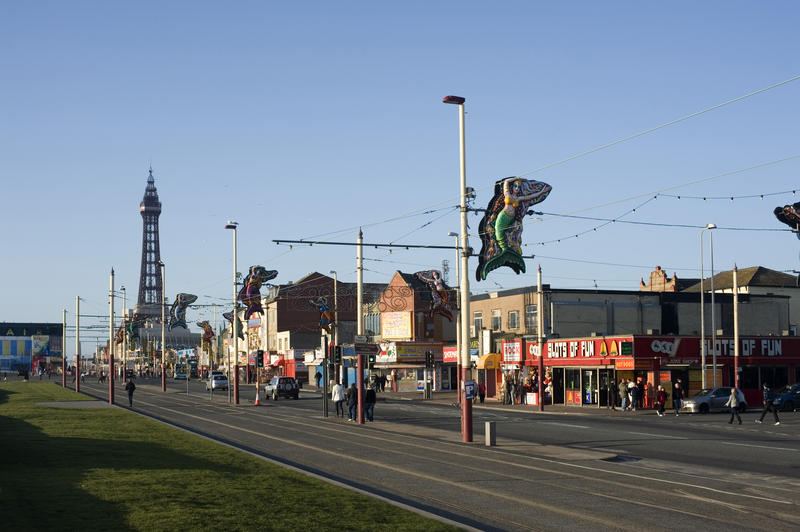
x,y
634,396
337,396
661,400
733,403
612,394
481,391
130,387
318,377
677,396
769,398
369,403
351,396
623,394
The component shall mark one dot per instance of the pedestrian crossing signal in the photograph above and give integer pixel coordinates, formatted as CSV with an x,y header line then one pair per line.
x,y
428,359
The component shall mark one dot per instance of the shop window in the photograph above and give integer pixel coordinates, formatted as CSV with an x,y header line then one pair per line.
x,y
775,376
572,386
497,320
513,319
530,318
477,320
748,378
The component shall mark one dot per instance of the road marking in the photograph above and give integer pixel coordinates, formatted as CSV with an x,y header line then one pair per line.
x,y
659,435
759,446
563,424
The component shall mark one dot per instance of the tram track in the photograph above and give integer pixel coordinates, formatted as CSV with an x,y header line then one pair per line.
x,y
550,473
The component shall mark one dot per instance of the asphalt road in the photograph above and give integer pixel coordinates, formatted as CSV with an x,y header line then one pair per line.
x,y
550,471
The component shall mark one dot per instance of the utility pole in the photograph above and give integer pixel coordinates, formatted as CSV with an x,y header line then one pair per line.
x,y
64,351
77,344
111,342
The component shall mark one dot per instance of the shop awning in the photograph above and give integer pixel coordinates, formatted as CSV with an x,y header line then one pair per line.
x,y
490,361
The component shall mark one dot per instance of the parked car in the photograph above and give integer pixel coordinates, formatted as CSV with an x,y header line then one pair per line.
x,y
712,400
282,386
130,374
180,376
787,398
217,381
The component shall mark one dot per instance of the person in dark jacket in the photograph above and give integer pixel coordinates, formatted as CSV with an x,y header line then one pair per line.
x,y
612,394
677,396
369,403
635,397
661,400
769,398
351,397
130,387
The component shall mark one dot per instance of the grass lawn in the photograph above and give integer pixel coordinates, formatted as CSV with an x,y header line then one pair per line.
x,y
110,469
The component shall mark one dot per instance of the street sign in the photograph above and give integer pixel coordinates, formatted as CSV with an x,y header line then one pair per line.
x,y
360,339
366,349
469,390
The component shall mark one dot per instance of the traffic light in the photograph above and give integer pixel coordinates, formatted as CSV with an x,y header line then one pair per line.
x,y
260,358
337,354
428,359
370,360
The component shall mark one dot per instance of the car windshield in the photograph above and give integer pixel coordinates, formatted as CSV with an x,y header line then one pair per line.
x,y
219,378
704,391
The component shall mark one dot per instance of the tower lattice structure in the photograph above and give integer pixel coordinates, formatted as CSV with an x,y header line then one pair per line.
x,y
149,303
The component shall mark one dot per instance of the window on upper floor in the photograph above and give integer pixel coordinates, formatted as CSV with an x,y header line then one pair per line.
x,y
477,321
513,319
497,320
530,317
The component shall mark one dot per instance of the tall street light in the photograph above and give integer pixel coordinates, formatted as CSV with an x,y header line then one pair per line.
x,y
335,330
463,284
233,226
124,334
708,227
458,322
163,324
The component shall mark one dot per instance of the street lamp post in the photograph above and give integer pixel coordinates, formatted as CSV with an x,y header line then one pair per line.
x,y
702,310
124,333
163,324
335,329
458,324
111,342
463,285
233,226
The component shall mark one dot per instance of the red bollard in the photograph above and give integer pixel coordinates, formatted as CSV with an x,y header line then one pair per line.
x,y
236,384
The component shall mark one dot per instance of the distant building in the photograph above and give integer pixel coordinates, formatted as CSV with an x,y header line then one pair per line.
x,y
30,346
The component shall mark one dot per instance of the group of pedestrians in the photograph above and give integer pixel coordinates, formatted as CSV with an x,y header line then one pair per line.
x,y
341,396
631,394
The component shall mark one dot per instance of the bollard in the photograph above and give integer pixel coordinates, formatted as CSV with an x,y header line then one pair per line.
x,y
491,436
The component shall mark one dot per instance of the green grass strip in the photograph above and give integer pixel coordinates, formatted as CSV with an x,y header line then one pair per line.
x,y
110,469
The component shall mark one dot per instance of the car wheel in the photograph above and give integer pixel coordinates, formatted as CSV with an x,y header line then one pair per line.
x,y
704,409
297,396
788,405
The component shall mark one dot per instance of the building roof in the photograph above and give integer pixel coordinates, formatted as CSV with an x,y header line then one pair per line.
x,y
752,277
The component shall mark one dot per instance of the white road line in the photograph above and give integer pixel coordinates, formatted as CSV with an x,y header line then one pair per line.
x,y
659,435
563,424
759,446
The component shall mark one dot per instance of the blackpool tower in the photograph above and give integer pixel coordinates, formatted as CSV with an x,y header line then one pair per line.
x,y
148,306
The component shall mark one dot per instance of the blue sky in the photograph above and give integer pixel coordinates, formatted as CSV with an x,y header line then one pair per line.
x,y
306,120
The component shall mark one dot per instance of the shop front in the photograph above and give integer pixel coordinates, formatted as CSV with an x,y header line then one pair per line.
x,y
489,372
405,363
448,372
582,369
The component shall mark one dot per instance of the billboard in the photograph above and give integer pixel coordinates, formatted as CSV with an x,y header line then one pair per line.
x,y
396,325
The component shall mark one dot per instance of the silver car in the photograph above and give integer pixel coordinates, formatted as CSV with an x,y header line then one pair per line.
x,y
217,382
712,400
